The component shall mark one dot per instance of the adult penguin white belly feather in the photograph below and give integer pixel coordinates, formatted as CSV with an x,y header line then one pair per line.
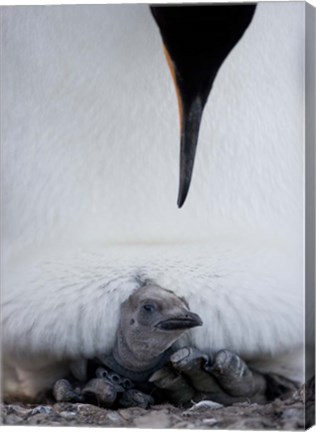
x,y
90,162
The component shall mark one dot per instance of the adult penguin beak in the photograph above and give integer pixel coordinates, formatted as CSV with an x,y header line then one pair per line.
x,y
190,126
197,39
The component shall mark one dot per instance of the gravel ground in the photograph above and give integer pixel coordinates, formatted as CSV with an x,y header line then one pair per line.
x,y
280,415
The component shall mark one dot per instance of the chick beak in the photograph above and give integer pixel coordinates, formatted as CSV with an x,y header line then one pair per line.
x,y
183,321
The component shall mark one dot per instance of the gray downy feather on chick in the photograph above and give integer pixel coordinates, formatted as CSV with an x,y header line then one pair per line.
x,y
151,320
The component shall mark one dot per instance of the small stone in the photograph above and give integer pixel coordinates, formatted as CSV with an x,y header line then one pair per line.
x,y
20,411
125,413
12,419
184,425
38,419
243,404
84,408
68,414
209,421
153,420
293,413
42,409
58,423
64,406
201,406
113,416
135,412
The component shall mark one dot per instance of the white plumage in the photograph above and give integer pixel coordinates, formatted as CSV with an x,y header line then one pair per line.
x,y
90,162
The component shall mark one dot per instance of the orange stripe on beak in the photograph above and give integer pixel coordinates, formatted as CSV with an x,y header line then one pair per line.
x,y
174,77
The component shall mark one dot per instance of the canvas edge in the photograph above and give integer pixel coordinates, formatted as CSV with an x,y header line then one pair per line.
x,y
310,96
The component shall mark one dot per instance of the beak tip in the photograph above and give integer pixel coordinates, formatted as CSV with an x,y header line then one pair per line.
x,y
197,319
182,196
180,204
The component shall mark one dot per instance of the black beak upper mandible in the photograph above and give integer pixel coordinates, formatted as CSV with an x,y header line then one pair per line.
x,y
197,39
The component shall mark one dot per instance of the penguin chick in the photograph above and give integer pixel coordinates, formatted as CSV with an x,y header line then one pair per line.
x,y
151,320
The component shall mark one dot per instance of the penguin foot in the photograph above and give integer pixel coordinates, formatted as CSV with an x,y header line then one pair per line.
x,y
97,391
173,385
108,389
135,398
100,391
127,395
234,376
63,391
120,383
193,376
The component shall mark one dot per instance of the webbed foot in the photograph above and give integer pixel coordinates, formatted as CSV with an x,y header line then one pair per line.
x,y
96,391
135,398
100,391
124,392
234,376
225,379
174,385
63,391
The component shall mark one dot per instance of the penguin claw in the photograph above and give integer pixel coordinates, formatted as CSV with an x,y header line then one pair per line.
x,y
192,362
229,364
188,358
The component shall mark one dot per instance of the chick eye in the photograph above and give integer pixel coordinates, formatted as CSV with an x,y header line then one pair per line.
x,y
149,307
